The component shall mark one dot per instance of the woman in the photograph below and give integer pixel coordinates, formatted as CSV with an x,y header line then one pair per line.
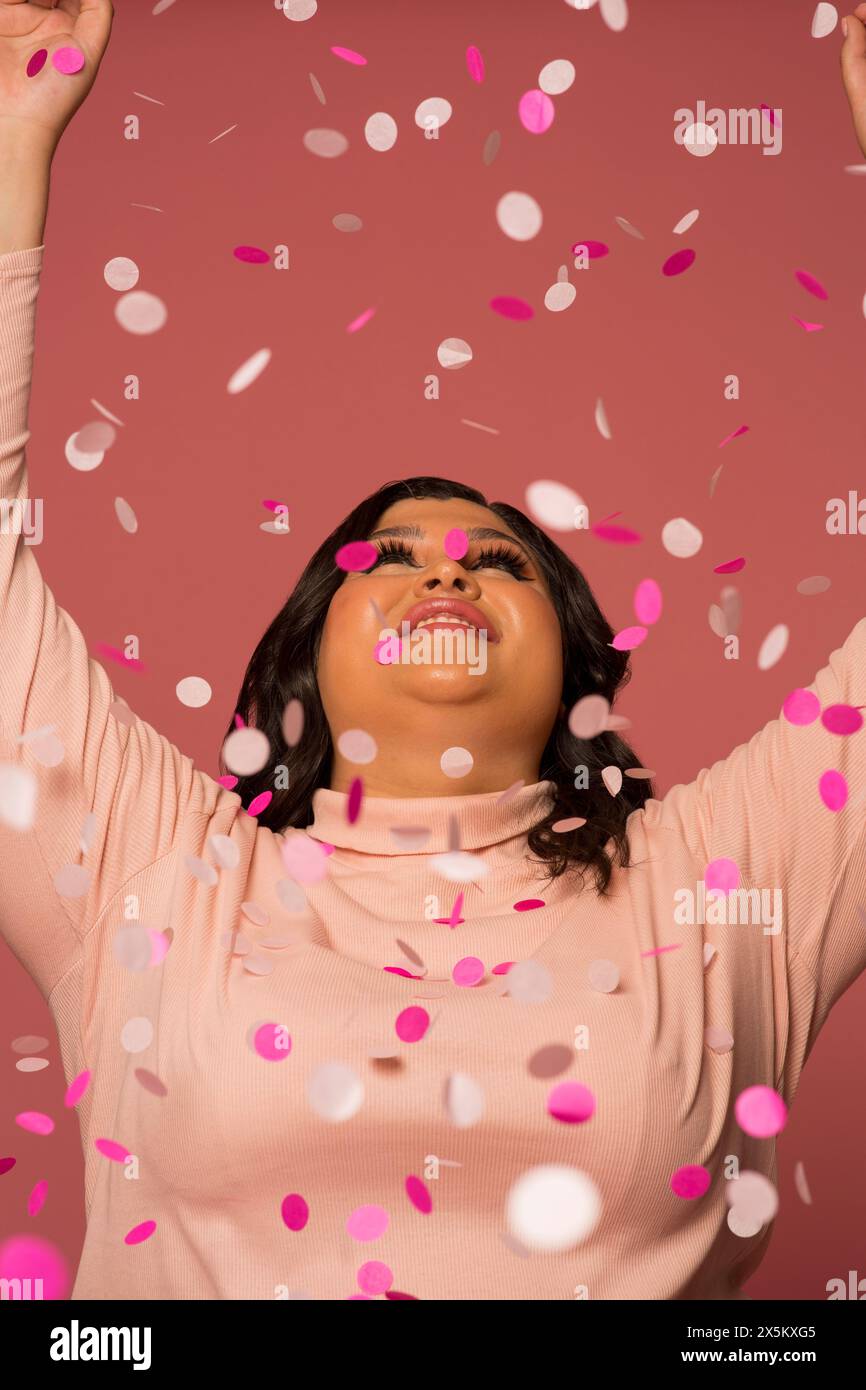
x,y
403,1032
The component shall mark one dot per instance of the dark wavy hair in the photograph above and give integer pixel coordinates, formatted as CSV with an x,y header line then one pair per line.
x,y
283,666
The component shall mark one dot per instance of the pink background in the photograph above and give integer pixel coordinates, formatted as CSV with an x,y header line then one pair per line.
x,y
336,414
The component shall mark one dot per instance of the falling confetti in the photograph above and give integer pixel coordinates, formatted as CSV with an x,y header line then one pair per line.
x,y
475,63
556,77
824,20
519,216
536,111
553,1208
453,353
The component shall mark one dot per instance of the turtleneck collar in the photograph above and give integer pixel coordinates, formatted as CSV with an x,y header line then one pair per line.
x,y
480,821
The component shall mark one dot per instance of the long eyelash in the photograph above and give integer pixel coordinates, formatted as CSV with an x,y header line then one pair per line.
x,y
510,559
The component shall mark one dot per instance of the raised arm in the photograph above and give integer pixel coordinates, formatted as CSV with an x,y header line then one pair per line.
x,y
129,786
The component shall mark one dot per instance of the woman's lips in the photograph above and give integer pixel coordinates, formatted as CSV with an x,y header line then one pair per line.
x,y
457,607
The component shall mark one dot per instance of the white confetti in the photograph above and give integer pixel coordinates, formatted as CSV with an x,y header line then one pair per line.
x,y
685,222
453,353
249,371
553,1207
553,504
824,20
335,1092
519,216
380,132
120,273
193,691
601,421
556,77
17,796
681,538
140,312
773,647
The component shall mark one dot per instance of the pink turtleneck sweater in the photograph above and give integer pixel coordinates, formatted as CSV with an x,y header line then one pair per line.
x,y
361,1158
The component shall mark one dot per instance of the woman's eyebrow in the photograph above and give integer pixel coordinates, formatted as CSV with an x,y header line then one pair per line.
x,y
475,533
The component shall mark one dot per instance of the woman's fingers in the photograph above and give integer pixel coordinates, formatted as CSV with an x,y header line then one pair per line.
x,y
93,25
853,59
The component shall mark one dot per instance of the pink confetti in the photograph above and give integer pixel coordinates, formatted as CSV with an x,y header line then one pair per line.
x,y
468,971
811,284
6,1165
398,970
115,655
388,651
294,1211
743,429
805,324
593,249
272,1042
34,1122
30,1258
367,1223
628,639
475,63
528,904
37,62
801,707
357,555
36,1200
648,602
349,56
228,780
374,1277
503,968
304,858
536,111
690,1182
842,719
660,950
511,308
109,1149
68,60
353,805
412,1024
258,803
76,1088
618,535
360,321
679,261
730,566
571,1102
722,876
418,1195
833,790
143,1231
456,543
760,1111
253,255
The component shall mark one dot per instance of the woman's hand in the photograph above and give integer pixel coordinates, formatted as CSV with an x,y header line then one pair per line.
x,y
853,59
34,111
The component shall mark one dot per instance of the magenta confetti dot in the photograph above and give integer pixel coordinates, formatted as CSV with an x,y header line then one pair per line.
x,y
294,1211
68,60
811,284
594,249
360,321
374,1277
272,1042
398,970
511,308
418,1194
31,1257
648,601
77,1088
842,719
833,789
760,1111
349,56
528,904
801,707
536,111
679,261
6,1165
806,325
730,566
109,1149
412,1024
722,876
503,967
468,971
357,555
356,796
367,1223
37,62
475,63
456,543
35,1122
228,780
258,803
253,255
618,535
629,638
143,1231
36,1200
571,1102
690,1181
393,1294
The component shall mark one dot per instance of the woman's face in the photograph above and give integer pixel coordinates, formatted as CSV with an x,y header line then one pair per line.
x,y
518,694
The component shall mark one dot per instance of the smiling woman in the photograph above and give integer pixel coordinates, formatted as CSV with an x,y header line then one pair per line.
x,y
549,646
